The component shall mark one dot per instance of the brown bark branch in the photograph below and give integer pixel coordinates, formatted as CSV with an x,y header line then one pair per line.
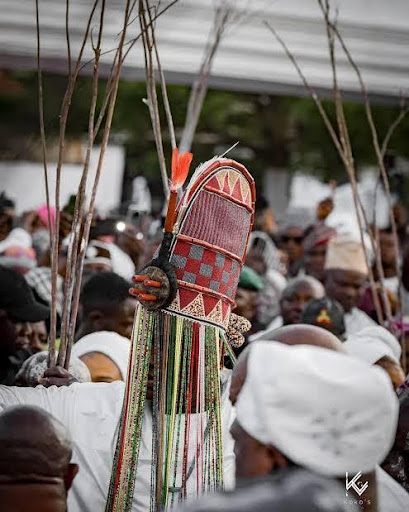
x,y
53,328
347,148
152,99
380,159
65,107
91,209
72,277
223,15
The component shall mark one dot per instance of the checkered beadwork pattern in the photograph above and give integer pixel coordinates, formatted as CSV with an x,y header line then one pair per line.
x,y
211,244
204,267
226,225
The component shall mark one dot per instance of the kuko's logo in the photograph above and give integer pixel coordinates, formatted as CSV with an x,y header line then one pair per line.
x,y
356,485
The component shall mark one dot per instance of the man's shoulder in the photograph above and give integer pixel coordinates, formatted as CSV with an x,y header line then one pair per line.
x,y
392,496
359,315
76,391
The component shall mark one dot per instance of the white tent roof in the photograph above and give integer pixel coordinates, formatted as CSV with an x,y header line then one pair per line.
x,y
377,33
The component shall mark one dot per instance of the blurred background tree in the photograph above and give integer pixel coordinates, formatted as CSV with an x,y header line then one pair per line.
x,y
273,131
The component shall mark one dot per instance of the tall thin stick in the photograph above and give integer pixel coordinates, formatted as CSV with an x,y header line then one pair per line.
x,y
71,274
199,89
91,209
44,156
65,107
151,93
379,152
347,149
165,97
391,130
345,156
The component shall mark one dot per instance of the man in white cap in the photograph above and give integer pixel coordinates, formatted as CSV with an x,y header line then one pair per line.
x,y
376,345
345,275
342,424
106,355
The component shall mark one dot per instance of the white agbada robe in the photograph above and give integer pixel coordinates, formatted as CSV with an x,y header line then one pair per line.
x,y
91,412
357,320
392,497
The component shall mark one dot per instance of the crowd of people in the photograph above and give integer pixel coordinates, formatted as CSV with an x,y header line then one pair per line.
x,y
319,393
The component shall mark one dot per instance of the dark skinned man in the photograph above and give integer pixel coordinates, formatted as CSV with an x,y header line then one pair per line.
x,y
35,468
280,425
345,278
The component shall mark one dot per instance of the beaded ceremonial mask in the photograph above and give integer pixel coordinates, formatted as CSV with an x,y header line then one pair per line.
x,y
180,345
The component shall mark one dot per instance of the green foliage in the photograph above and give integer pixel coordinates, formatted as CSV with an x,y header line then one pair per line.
x,y
274,132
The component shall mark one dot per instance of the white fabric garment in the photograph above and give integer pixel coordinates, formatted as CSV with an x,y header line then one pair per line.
x,y
90,412
121,262
392,497
109,343
373,343
357,320
324,410
17,237
267,333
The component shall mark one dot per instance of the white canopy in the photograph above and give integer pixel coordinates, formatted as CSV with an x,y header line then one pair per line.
x,y
376,32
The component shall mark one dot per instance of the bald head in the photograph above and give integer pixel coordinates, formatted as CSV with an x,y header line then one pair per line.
x,y
33,443
306,335
289,335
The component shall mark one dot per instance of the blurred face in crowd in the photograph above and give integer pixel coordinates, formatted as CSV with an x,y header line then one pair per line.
x,y
256,262
294,299
118,319
254,459
314,261
101,367
291,243
7,213
246,303
13,334
38,336
387,248
345,286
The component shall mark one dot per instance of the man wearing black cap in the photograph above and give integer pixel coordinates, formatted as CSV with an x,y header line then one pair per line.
x,y
18,308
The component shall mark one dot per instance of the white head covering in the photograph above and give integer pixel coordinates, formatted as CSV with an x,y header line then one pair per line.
x,y
118,260
322,409
373,343
111,344
346,253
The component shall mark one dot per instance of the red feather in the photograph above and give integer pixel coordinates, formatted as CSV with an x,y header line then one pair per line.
x,y
180,168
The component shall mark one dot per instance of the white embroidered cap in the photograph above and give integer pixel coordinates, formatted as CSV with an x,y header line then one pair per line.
x,y
324,410
346,253
373,343
111,344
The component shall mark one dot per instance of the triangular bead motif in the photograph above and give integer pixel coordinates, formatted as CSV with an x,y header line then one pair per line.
x,y
209,303
233,177
216,315
220,178
236,192
245,190
214,183
175,304
196,307
226,186
226,309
